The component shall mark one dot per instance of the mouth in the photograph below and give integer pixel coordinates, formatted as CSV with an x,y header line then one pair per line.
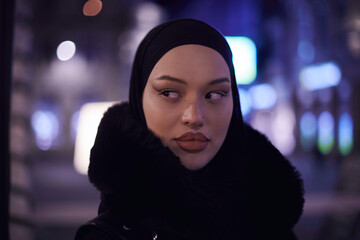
x,y
192,142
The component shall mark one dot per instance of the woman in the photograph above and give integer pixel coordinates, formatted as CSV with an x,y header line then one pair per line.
x,y
177,161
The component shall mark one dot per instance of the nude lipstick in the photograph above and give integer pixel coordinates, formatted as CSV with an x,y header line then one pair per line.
x,y
192,142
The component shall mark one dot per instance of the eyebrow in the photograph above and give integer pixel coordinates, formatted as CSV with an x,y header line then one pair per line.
x,y
219,80
168,77
174,79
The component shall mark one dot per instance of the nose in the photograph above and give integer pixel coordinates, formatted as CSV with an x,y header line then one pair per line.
x,y
193,116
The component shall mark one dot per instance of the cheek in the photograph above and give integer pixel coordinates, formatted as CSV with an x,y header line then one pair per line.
x,y
220,122
158,118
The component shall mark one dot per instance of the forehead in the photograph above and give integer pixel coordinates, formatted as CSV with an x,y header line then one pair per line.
x,y
191,59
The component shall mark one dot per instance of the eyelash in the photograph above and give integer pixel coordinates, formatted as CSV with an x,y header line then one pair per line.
x,y
166,93
222,94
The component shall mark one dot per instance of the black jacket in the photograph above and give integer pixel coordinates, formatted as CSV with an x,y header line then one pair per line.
x,y
248,191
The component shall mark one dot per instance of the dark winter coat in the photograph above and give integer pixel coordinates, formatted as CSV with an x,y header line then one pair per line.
x,y
248,191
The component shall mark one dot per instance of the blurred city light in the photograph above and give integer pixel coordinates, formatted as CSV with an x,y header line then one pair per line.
x,y
244,58
66,50
148,14
69,75
245,101
89,119
320,76
260,120
92,8
345,134
46,127
283,124
74,124
306,51
308,130
263,96
326,132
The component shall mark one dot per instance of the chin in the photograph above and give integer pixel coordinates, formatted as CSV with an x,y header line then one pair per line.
x,y
194,164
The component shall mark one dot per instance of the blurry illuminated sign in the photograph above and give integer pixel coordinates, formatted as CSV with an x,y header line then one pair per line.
x,y
244,58
89,119
320,76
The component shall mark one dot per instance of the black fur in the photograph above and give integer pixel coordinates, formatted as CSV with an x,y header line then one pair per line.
x,y
250,191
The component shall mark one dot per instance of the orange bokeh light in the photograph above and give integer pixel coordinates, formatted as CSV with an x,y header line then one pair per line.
x,y
92,7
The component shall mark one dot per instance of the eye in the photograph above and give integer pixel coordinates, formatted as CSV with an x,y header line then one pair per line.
x,y
214,95
170,94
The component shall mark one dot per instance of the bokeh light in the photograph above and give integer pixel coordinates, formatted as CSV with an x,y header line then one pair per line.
x,y
326,132
283,124
46,127
148,14
308,128
245,101
88,122
263,96
345,132
244,58
66,50
320,76
92,8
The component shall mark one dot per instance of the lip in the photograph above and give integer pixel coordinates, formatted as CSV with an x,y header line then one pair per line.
x,y
192,142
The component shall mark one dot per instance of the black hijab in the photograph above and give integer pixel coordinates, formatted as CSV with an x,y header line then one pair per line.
x,y
167,36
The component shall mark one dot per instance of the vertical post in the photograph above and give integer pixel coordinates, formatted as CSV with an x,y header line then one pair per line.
x,y
7,12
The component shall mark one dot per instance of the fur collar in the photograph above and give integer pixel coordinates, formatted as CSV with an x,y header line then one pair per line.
x,y
249,189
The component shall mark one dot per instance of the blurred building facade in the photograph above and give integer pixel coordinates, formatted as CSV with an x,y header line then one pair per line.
x,y
297,42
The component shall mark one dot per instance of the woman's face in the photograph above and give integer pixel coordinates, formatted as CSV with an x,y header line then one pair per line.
x,y
188,103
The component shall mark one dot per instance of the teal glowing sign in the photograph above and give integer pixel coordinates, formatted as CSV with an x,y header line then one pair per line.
x,y
244,58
